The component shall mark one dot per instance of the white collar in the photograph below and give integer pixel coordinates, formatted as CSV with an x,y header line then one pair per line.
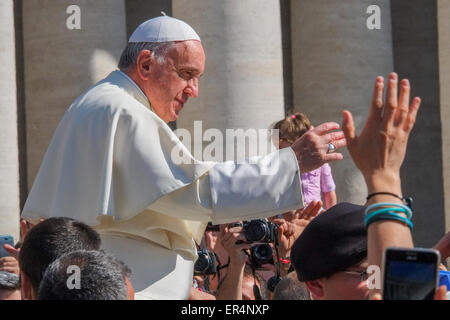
x,y
142,97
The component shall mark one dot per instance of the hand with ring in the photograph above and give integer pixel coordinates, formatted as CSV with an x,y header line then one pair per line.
x,y
331,148
318,145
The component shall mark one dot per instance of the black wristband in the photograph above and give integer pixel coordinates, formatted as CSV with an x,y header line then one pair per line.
x,y
406,200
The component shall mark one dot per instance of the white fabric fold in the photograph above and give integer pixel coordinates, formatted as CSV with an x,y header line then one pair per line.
x,y
259,187
110,155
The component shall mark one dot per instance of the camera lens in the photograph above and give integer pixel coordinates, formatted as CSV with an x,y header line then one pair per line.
x,y
202,263
256,231
263,253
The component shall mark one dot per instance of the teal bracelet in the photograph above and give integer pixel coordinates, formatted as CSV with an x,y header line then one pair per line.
x,y
386,210
384,213
397,206
382,217
389,217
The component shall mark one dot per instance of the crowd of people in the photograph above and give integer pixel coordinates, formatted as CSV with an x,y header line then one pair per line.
x,y
295,242
321,254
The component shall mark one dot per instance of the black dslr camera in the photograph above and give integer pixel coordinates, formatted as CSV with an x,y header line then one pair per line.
x,y
260,230
206,263
263,232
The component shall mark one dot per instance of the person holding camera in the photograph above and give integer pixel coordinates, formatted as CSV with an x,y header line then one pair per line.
x,y
290,227
234,242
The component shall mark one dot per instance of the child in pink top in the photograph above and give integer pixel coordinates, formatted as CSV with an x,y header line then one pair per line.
x,y
314,183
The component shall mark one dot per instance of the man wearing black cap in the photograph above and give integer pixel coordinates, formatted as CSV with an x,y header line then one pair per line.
x,y
330,256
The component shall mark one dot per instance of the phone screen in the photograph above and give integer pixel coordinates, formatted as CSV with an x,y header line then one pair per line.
x,y
410,275
5,239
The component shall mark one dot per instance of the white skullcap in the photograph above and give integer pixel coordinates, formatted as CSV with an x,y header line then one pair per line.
x,y
163,29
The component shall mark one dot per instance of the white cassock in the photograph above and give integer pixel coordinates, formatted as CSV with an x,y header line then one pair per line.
x,y
109,165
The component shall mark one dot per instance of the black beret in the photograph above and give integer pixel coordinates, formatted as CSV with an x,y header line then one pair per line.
x,y
335,240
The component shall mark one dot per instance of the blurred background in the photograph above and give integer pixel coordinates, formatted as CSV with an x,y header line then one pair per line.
x,y
265,59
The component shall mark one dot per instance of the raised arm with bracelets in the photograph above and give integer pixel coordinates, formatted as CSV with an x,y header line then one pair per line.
x,y
379,152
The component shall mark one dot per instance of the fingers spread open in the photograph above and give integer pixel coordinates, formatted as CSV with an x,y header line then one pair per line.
x,y
331,137
339,143
329,157
390,107
325,127
348,126
412,114
376,108
316,209
403,102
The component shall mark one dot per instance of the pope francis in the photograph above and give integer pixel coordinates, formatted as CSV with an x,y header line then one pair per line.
x,y
109,164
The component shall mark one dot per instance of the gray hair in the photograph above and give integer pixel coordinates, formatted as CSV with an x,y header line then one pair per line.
x,y
101,278
131,52
9,281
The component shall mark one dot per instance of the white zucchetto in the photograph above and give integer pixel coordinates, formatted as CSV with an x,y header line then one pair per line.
x,y
163,29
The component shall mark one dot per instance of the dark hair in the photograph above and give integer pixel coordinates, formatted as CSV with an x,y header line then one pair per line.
x,y
18,245
49,240
9,281
290,288
100,275
293,127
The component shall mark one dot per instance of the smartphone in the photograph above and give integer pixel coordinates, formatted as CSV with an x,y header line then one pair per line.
x,y
5,239
410,273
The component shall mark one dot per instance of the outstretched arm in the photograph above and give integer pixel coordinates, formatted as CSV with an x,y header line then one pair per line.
x,y
379,152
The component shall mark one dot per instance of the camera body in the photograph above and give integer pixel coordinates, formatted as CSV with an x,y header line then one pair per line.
x,y
206,263
260,230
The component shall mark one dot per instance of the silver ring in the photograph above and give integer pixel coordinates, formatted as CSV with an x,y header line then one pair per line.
x,y
331,148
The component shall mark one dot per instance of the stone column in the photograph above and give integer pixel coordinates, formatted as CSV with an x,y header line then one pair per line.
x,y
9,151
139,11
242,86
443,10
416,57
335,60
61,62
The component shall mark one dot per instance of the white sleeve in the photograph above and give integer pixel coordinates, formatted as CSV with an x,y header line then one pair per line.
x,y
259,187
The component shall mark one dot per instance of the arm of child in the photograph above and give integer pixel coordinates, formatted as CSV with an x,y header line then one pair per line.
x,y
329,199
327,186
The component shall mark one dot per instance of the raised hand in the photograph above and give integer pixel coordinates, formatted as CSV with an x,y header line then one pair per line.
x,y
379,152
312,149
304,216
289,231
380,148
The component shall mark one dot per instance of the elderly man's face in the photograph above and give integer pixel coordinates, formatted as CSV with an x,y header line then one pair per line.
x,y
173,82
